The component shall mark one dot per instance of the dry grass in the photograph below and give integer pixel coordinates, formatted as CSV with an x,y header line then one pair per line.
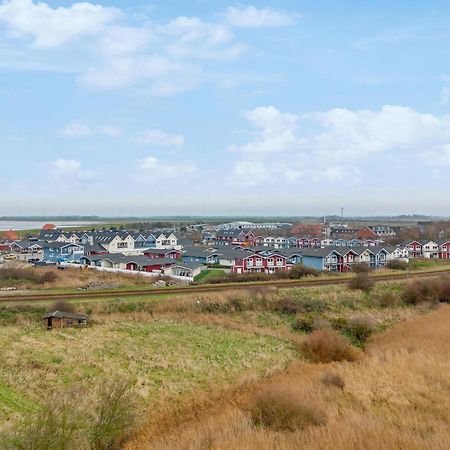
x,y
325,346
397,397
282,409
25,277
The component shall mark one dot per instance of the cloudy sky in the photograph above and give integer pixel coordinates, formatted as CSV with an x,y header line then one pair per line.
x,y
212,107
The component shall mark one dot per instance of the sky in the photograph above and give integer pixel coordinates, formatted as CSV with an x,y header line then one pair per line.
x,y
209,107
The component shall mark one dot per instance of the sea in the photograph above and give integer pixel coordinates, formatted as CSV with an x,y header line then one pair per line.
x,y
30,225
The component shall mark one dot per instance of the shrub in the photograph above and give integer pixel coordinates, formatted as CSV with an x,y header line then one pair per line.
x,y
300,271
361,282
333,379
286,305
114,416
325,345
397,264
320,322
361,328
303,323
47,277
386,299
312,305
444,291
58,425
339,323
419,291
361,268
281,409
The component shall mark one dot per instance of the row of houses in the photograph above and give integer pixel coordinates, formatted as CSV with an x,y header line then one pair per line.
x,y
158,265
248,238
113,241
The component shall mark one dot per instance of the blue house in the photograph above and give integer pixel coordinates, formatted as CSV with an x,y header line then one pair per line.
x,y
150,241
57,252
323,259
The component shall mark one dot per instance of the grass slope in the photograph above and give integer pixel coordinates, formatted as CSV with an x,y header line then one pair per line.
x,y
163,358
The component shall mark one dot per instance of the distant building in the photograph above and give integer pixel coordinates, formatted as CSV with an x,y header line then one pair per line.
x,y
62,319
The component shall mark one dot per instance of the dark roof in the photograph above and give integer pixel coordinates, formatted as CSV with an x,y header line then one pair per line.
x,y
189,265
321,252
160,251
65,314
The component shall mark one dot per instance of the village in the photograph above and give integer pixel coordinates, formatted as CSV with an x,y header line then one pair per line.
x,y
235,247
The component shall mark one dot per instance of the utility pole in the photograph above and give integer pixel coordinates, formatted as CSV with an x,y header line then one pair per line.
x,y
342,212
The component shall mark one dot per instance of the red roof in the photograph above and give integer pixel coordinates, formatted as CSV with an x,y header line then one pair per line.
x,y
49,226
10,235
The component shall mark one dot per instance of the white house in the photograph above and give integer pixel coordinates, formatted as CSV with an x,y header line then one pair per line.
x,y
430,249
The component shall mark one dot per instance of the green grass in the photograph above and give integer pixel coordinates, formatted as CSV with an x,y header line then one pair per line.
x,y
162,357
205,275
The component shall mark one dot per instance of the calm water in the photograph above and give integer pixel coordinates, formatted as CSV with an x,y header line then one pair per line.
x,y
21,225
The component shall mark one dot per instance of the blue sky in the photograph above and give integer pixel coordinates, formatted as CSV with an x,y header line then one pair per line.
x,y
215,107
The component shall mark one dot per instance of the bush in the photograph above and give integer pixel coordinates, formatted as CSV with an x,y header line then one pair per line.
x,y
47,277
361,268
361,328
333,379
58,425
397,264
419,291
286,305
361,282
280,409
114,417
303,323
300,271
320,322
325,345
386,299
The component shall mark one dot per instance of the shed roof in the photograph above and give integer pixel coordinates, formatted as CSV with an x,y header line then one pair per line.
x,y
65,315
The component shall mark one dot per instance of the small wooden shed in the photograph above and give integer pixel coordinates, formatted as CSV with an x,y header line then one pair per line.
x,y
63,319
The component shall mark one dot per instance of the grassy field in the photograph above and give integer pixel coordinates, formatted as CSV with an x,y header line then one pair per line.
x,y
162,358
196,363
205,274
397,397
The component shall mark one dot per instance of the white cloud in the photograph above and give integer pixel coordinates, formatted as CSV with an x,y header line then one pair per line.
x,y
249,173
331,146
160,138
120,40
111,54
357,134
338,174
276,131
78,129
191,37
69,169
109,130
160,75
50,27
165,169
251,17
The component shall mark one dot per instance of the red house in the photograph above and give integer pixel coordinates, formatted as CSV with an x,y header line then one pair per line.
x,y
259,263
444,250
415,249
